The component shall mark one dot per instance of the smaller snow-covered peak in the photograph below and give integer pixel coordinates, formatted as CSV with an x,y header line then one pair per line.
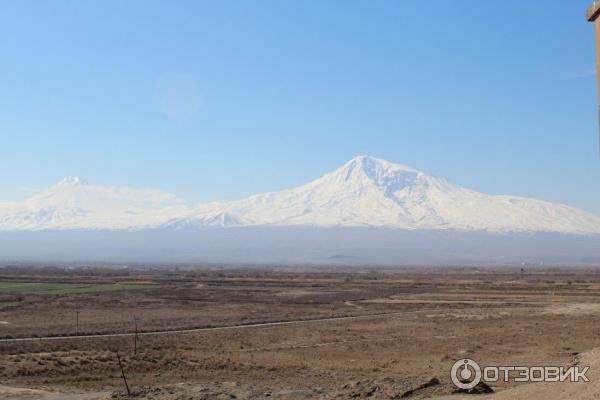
x,y
74,204
71,181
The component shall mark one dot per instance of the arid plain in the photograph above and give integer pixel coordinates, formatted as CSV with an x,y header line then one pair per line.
x,y
282,333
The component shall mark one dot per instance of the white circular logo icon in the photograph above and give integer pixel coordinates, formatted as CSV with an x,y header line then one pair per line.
x,y
466,374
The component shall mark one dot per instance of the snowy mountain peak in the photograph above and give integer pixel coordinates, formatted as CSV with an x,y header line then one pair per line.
x,y
71,181
368,191
370,173
74,204
375,169
370,164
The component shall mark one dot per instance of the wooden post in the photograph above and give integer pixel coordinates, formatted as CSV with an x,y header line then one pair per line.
x,y
77,323
123,374
135,337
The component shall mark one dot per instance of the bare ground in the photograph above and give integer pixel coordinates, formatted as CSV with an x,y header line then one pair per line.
x,y
503,317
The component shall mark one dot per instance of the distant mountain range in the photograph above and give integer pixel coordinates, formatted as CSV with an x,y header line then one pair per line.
x,y
365,192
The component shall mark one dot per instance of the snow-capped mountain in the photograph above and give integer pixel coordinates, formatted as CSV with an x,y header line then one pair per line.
x,y
365,192
74,204
371,192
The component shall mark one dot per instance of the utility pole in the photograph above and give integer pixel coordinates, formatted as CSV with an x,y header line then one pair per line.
x,y
135,337
592,14
123,375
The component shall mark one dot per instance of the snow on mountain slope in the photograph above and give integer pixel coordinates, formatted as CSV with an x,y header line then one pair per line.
x,y
74,204
371,192
364,192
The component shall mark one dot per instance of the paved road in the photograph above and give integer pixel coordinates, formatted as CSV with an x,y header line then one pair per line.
x,y
220,328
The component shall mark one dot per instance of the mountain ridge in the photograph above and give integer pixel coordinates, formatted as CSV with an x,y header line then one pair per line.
x,y
364,192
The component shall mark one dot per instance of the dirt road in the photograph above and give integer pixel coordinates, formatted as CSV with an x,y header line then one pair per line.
x,y
209,329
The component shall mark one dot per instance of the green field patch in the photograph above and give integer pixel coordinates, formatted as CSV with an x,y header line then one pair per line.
x,y
64,288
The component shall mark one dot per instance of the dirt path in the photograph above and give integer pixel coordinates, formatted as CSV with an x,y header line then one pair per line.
x,y
209,329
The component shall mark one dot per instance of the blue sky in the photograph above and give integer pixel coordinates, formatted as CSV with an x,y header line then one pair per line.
x,y
218,100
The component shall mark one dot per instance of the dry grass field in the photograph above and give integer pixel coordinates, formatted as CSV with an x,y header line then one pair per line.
x,y
413,325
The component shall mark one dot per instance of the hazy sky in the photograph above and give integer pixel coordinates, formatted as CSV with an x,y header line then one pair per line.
x,y
217,100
